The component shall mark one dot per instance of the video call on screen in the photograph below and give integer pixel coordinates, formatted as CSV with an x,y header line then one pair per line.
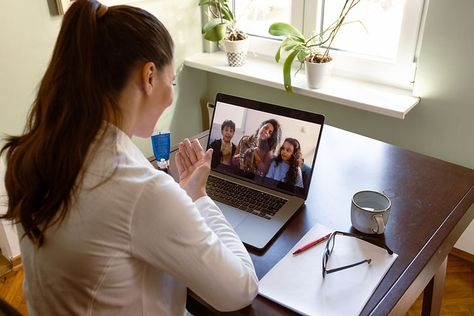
x,y
246,144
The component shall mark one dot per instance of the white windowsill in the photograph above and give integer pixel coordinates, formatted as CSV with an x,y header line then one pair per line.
x,y
357,94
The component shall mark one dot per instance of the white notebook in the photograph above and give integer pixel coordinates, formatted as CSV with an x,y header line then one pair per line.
x,y
296,282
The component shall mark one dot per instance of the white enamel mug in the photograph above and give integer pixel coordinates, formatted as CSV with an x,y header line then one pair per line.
x,y
370,211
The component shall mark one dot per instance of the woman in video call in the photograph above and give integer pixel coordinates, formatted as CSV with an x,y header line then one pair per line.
x,y
267,138
285,167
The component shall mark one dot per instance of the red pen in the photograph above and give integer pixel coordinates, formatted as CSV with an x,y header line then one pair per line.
x,y
311,244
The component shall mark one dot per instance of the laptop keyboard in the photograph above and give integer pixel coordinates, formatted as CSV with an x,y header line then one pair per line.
x,y
250,200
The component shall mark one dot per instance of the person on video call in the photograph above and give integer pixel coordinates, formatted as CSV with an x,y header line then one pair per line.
x,y
224,149
255,152
286,166
102,231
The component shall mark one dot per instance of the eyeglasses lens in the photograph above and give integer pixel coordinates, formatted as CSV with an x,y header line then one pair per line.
x,y
327,251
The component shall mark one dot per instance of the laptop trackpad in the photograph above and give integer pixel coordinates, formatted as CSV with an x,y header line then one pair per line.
x,y
233,215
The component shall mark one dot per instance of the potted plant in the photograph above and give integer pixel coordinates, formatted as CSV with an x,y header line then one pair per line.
x,y
308,50
221,27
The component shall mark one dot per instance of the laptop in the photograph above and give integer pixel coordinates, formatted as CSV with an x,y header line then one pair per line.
x,y
261,175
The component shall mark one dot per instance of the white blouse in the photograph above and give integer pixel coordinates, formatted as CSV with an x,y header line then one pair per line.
x,y
131,246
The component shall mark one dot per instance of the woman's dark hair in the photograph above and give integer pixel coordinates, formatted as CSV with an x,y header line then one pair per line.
x,y
292,172
96,50
274,138
228,123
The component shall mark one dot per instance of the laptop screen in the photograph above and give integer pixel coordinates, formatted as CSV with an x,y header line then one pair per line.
x,y
265,144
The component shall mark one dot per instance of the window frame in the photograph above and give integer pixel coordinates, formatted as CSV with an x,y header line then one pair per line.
x,y
400,72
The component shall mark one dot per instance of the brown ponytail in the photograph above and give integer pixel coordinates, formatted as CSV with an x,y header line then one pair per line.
x,y
94,55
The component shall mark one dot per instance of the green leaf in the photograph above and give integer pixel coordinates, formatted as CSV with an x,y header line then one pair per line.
x,y
287,71
300,40
278,55
288,43
212,24
285,29
227,13
302,54
214,32
290,47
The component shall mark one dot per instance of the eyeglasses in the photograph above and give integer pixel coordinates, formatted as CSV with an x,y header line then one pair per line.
x,y
330,246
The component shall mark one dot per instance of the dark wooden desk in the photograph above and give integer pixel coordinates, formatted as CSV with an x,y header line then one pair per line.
x,y
432,204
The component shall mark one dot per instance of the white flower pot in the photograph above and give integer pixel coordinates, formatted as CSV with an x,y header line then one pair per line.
x,y
236,51
318,74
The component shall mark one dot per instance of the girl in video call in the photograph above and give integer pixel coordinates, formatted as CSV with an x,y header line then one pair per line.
x,y
285,167
268,136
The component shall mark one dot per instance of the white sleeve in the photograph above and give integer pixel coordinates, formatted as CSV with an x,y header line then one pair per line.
x,y
194,243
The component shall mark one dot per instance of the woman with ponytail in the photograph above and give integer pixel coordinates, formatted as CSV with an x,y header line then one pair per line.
x,y
101,231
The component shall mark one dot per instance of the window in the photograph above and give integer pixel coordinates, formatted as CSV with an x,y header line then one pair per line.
x,y
255,16
382,50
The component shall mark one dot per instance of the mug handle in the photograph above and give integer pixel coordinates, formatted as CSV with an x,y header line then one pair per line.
x,y
378,218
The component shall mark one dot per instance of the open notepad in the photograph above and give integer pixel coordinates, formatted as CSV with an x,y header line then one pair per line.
x,y
296,282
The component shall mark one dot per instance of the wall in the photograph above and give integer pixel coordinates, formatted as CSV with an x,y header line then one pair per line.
x,y
28,31
442,125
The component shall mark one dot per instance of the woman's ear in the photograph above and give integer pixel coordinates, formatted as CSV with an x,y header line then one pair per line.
x,y
148,75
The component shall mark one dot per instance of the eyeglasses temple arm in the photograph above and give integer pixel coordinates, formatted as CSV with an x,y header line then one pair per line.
x,y
349,266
